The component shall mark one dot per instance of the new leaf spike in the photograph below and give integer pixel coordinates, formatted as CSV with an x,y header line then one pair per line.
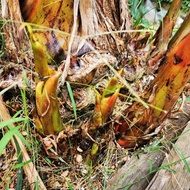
x,y
105,103
48,119
41,57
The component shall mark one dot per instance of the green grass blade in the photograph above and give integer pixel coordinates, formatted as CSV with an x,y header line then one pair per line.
x,y
72,99
6,138
150,166
16,115
61,159
20,165
17,133
23,94
2,52
11,121
69,185
182,157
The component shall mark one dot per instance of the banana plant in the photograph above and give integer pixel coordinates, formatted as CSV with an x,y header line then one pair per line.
x,y
105,103
163,93
47,118
92,155
41,56
49,29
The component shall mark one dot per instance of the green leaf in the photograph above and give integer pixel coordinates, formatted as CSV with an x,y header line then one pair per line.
x,y
182,157
94,149
20,165
72,99
17,133
69,185
10,122
6,138
151,168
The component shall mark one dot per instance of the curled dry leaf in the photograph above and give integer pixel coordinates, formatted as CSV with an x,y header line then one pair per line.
x,y
62,141
84,69
49,142
11,76
68,132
